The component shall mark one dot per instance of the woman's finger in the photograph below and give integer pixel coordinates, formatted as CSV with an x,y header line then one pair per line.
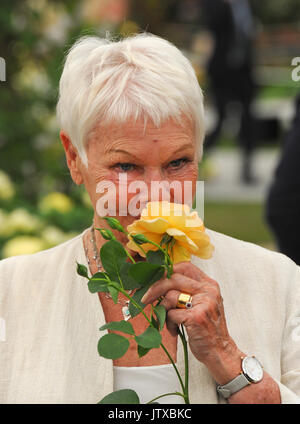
x,y
186,317
178,282
171,299
190,270
175,318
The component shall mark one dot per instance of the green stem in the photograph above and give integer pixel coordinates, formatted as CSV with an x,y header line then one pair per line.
x,y
157,245
161,344
134,302
160,299
167,394
139,246
168,262
129,256
186,364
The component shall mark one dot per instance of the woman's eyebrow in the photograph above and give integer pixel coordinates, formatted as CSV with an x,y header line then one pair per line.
x,y
181,148
124,152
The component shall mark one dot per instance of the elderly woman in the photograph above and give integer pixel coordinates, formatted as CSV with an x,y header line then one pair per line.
x,y
134,107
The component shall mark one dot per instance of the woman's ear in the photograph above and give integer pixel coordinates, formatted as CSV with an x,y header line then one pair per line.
x,y
72,157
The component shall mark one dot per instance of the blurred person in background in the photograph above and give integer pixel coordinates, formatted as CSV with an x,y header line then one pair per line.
x,y
283,200
230,71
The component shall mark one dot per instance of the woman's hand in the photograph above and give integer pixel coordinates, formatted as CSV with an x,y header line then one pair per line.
x,y
205,322
207,331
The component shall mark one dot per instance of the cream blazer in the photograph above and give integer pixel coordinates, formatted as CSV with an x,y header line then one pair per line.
x,y
51,323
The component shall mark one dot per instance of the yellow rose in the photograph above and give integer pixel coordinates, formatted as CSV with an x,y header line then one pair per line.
x,y
177,220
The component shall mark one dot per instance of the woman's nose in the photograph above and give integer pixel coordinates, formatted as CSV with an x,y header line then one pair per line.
x,y
158,186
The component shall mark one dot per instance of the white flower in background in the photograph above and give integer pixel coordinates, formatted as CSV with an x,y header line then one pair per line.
x,y
42,141
45,117
20,220
22,245
57,31
51,123
55,22
37,5
7,190
55,201
32,76
52,236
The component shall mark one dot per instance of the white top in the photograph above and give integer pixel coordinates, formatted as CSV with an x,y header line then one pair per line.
x,y
149,382
52,323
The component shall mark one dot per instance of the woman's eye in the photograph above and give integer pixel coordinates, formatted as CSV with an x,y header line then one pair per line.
x,y
125,167
178,163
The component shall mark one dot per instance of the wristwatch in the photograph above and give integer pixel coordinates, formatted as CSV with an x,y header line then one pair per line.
x,y
252,372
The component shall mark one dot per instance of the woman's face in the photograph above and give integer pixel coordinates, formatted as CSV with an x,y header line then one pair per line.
x,y
124,158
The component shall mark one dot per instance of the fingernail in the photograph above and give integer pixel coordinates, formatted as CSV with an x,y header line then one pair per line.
x,y
144,298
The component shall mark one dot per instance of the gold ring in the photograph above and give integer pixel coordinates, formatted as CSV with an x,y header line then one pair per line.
x,y
184,301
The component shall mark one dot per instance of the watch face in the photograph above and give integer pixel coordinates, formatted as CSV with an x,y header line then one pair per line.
x,y
252,368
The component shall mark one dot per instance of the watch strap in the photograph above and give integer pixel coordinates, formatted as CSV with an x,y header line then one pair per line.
x,y
233,386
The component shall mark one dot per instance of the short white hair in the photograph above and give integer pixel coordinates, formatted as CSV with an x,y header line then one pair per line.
x,y
141,76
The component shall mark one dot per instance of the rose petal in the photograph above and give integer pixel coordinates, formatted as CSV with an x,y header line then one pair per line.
x,y
182,238
156,225
180,254
156,238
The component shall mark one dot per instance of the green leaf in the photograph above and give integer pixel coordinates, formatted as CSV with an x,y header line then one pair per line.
x,y
114,293
155,322
123,396
161,314
123,326
142,351
82,270
113,256
155,257
137,296
112,346
99,275
98,283
128,282
145,273
97,286
150,338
